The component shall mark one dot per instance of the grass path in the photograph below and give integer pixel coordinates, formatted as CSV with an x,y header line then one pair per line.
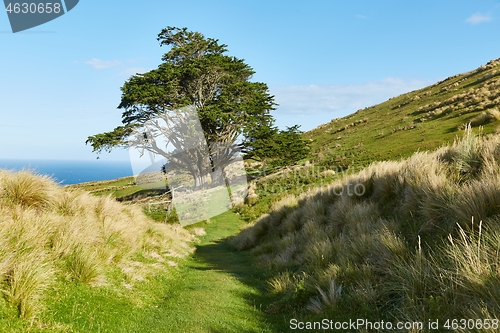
x,y
217,289
213,290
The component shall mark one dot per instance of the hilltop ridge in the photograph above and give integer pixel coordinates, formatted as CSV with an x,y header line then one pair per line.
x,y
423,119
417,241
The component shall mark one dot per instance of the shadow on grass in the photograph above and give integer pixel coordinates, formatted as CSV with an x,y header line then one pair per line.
x,y
219,256
154,192
451,130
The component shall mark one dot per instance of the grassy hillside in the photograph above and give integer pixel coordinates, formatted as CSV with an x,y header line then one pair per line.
x,y
402,240
416,239
56,240
117,187
420,120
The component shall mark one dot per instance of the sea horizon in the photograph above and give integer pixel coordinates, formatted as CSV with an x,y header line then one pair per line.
x,y
68,172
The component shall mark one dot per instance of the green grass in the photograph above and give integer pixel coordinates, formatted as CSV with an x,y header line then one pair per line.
x,y
421,242
391,130
216,289
303,256
117,188
89,186
398,127
55,242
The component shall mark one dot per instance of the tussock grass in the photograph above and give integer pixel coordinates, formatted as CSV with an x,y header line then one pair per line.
x,y
26,191
484,118
405,248
49,233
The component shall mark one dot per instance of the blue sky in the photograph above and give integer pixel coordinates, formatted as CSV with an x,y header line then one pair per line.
x,y
60,82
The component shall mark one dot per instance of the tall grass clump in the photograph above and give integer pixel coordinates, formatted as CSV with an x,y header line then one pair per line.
x,y
419,242
49,234
25,190
484,118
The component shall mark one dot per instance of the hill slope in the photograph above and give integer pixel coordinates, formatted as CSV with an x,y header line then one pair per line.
x,y
413,240
419,120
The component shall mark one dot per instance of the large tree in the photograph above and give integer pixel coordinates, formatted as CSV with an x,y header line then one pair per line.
x,y
196,74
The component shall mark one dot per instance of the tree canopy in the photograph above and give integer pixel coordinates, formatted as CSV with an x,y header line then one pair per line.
x,y
277,147
195,73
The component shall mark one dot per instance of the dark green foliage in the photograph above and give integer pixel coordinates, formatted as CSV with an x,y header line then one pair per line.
x,y
290,146
262,144
194,72
277,148
108,140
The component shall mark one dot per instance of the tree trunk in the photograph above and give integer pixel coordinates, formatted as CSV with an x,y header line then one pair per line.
x,y
201,173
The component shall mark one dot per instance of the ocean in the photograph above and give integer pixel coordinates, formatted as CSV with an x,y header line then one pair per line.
x,y
72,172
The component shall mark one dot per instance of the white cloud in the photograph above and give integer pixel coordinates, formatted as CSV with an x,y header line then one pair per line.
x,y
479,18
310,106
102,64
129,71
339,100
124,67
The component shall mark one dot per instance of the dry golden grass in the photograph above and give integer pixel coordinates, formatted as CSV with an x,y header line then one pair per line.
x,y
252,196
24,191
48,233
404,247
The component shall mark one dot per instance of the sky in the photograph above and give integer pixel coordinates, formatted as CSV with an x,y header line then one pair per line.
x,y
60,82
